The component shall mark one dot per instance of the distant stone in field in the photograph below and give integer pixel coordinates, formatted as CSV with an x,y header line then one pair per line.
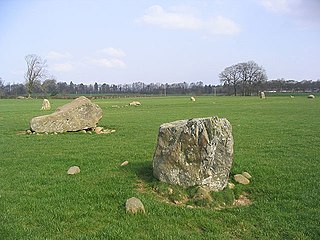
x,y
311,96
192,99
134,205
135,103
239,178
80,114
46,105
247,175
262,95
194,152
73,170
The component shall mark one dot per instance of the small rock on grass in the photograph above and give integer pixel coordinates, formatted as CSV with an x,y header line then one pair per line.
x,y
247,175
98,130
239,178
73,170
231,185
108,131
125,163
134,205
189,206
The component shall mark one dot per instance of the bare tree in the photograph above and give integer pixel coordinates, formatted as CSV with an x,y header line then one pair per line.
x,y
248,75
36,70
230,77
252,75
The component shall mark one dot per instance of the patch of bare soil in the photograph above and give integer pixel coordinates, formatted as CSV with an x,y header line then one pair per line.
x,y
242,200
140,185
21,132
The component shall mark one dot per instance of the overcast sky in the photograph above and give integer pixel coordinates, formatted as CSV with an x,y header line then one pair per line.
x,y
167,41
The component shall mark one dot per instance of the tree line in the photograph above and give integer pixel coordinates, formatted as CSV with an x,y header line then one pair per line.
x,y
247,78
51,87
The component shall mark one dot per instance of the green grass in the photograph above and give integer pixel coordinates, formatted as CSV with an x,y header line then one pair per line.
x,y
276,139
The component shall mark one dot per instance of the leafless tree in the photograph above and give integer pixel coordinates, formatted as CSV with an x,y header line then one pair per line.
x,y
252,75
247,75
231,77
36,71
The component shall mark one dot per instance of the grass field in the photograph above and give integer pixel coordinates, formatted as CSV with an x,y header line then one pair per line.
x,y
276,139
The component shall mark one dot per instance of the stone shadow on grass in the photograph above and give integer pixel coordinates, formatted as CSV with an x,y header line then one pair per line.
x,y
144,170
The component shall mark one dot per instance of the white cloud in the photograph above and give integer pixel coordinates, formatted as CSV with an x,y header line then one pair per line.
x,y
180,19
156,15
277,5
109,63
114,52
62,67
304,13
52,55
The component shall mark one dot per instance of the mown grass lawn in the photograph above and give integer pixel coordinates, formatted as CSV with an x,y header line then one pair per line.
x,y
276,139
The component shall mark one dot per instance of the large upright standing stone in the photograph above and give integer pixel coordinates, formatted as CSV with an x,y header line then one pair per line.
x,y
194,152
80,114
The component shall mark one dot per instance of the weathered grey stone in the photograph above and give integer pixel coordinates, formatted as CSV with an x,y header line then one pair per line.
x,y
80,114
194,152
73,170
239,178
134,205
